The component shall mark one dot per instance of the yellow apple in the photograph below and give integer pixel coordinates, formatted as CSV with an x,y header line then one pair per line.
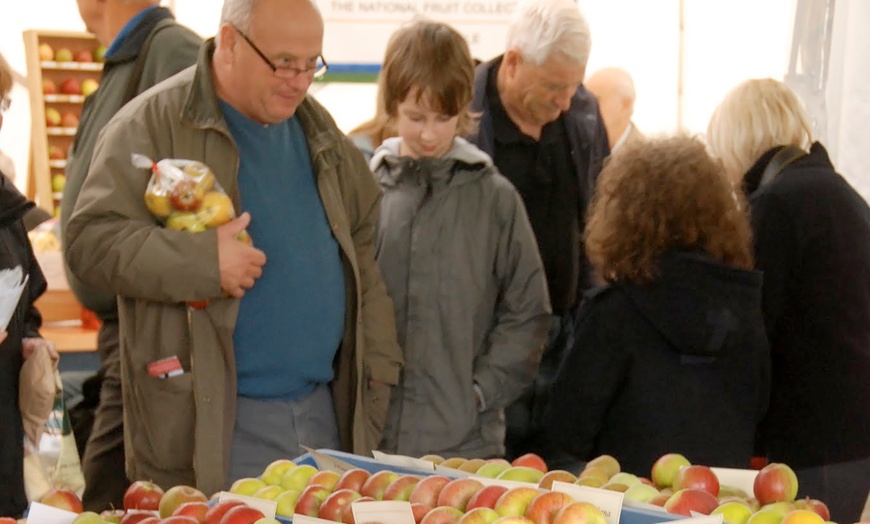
x,y
216,209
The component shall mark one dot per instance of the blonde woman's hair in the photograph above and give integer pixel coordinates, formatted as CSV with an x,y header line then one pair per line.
x,y
754,117
5,76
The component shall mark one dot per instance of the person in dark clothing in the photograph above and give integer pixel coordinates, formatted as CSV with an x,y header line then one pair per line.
x,y
21,337
812,240
145,46
671,355
544,132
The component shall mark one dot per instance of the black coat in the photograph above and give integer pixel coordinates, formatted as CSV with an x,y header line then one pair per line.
x,y
677,365
812,233
15,250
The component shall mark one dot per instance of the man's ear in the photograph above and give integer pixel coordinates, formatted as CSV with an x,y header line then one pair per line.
x,y
227,41
512,59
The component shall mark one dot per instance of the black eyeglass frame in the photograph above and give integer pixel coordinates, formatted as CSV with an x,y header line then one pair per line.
x,y
285,72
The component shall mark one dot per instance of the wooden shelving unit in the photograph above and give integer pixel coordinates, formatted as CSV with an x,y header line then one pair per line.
x,y
50,141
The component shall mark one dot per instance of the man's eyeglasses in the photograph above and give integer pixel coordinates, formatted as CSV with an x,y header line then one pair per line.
x,y
285,70
5,103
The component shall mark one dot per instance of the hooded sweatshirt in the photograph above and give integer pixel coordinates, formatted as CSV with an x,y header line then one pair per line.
x,y
680,364
461,264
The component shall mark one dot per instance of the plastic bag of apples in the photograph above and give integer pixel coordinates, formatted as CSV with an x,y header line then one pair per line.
x,y
184,195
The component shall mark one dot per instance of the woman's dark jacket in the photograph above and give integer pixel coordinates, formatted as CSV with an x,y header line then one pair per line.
x,y
15,251
680,364
812,236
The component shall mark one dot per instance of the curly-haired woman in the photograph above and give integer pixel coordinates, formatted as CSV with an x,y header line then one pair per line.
x,y
671,355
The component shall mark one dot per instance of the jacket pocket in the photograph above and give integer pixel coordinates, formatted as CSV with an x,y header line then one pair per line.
x,y
168,423
377,402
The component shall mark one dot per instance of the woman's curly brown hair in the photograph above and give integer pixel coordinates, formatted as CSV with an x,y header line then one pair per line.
x,y
663,195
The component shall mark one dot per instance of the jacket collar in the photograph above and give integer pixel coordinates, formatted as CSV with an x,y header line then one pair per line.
x,y
134,37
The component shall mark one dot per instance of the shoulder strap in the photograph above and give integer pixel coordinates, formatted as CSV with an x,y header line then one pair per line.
x,y
780,161
139,65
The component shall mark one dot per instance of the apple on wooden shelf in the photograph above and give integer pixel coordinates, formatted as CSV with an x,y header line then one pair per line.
x,y
71,86
46,52
84,56
63,55
55,153
69,119
52,117
49,87
58,182
89,86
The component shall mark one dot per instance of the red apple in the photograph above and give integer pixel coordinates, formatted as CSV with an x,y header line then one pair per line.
x,y
148,519
176,496
347,515
70,86
179,519
195,509
49,87
816,505
697,477
186,195
8,520
486,498
419,510
69,119
427,490
136,516
325,478
64,499
84,56
55,153
458,492
775,482
333,506
666,467
544,508
352,479
217,512
377,484
514,501
660,499
580,513
442,515
401,488
241,515
684,501
530,460
310,499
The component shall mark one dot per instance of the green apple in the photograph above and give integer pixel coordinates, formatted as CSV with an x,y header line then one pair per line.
x,y
58,182
247,486
268,492
666,467
275,470
522,474
733,512
286,503
88,517
492,468
641,492
624,478
296,478
63,55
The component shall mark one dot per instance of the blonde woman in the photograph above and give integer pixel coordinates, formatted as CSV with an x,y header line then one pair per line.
x,y
812,240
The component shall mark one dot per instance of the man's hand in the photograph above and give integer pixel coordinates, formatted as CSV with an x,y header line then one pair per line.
x,y
240,264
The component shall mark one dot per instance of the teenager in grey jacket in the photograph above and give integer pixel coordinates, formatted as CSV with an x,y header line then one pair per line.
x,y
458,256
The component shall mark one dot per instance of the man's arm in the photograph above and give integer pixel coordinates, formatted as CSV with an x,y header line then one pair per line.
x,y
113,241
383,357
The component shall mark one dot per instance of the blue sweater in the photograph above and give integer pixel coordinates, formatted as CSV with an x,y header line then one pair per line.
x,y
292,321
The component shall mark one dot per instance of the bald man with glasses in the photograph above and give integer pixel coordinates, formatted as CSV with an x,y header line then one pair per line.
x,y
297,345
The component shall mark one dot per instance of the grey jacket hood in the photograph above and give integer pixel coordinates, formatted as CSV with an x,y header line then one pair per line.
x,y
462,163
